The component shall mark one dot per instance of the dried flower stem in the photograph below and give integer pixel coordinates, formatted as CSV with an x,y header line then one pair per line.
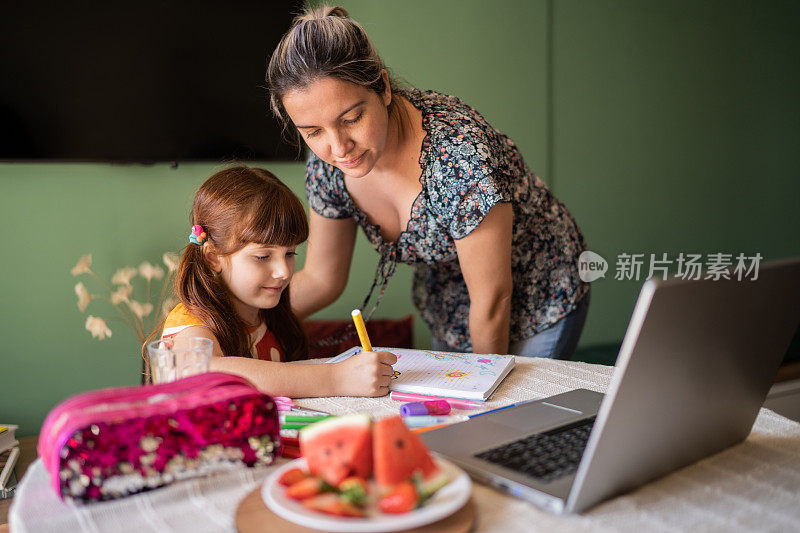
x,y
132,319
133,313
162,296
103,283
129,318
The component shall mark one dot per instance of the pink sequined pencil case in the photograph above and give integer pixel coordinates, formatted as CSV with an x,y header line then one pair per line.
x,y
110,443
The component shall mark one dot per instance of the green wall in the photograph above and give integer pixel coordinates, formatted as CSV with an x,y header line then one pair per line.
x,y
676,129
665,126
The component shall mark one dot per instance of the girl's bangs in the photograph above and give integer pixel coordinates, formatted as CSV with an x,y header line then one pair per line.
x,y
278,221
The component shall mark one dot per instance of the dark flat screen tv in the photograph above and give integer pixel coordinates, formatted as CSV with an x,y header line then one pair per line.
x,y
140,81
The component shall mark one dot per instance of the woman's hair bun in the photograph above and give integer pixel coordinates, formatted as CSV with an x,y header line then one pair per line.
x,y
322,12
324,42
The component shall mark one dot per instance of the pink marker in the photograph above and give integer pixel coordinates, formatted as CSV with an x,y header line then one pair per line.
x,y
454,402
430,407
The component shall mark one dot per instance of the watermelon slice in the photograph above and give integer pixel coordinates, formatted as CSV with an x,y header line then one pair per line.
x,y
401,456
338,447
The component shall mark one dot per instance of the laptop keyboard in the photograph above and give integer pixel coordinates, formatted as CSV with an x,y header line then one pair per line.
x,y
544,456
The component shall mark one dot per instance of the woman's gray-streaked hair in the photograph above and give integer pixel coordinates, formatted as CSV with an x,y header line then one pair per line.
x,y
324,42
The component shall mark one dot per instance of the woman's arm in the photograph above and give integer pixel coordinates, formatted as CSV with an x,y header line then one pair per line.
x,y
485,259
365,374
327,266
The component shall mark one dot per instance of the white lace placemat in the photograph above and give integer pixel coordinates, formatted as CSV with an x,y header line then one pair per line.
x,y
752,486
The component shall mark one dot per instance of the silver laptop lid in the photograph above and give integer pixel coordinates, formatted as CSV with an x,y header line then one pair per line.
x,y
695,366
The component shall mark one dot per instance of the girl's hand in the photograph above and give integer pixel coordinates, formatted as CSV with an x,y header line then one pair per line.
x,y
365,374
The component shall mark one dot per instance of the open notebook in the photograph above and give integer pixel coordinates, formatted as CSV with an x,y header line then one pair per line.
x,y
454,375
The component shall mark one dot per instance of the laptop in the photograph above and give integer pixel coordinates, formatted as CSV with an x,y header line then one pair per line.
x,y
694,368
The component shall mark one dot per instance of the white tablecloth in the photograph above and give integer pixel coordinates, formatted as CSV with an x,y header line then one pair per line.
x,y
754,486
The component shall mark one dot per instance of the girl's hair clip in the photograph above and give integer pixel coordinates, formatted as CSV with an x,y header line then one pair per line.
x,y
197,235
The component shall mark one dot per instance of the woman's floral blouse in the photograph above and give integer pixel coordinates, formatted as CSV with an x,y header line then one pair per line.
x,y
468,167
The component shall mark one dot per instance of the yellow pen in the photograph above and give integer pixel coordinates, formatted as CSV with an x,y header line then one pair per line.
x,y
358,320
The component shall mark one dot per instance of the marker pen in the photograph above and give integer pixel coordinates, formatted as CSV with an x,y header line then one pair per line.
x,y
433,407
424,421
455,403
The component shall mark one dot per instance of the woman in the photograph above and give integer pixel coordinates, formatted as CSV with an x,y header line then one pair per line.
x,y
432,184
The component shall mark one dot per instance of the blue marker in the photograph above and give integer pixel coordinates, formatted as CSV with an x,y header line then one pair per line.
x,y
500,408
346,354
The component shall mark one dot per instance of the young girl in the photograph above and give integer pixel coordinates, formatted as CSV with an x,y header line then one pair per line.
x,y
233,283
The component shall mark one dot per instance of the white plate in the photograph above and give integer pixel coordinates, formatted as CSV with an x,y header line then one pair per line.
x,y
442,504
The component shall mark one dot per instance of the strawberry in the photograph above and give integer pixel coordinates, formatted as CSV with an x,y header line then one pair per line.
x,y
305,488
332,504
401,499
290,477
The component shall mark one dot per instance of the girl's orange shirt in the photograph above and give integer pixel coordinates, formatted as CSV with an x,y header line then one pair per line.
x,y
263,343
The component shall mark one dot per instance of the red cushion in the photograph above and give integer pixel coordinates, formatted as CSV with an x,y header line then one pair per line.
x,y
395,333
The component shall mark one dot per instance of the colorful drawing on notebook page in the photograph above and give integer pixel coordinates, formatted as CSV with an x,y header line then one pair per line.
x,y
454,369
453,375
460,375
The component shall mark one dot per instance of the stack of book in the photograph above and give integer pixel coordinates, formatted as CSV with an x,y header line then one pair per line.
x,y
9,452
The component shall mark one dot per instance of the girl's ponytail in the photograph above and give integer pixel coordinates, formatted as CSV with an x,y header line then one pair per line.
x,y
201,290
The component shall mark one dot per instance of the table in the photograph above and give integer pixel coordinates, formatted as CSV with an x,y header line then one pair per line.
x,y
752,486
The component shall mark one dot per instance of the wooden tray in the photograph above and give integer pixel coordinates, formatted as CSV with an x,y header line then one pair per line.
x,y
253,516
